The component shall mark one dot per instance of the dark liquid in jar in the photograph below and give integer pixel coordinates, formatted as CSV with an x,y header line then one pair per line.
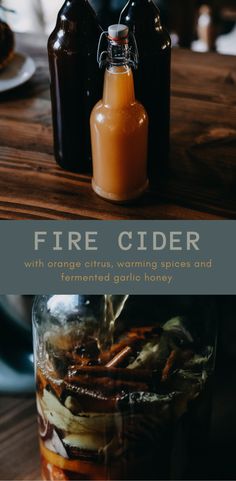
x,y
124,412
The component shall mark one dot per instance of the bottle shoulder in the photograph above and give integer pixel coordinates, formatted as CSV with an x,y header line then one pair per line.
x,y
144,21
159,42
77,40
75,22
133,114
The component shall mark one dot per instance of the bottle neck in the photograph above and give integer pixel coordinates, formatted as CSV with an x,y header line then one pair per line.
x,y
119,83
76,13
143,13
118,87
118,54
74,6
68,3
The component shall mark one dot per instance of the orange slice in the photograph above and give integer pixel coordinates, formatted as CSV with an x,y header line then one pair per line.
x,y
52,473
93,470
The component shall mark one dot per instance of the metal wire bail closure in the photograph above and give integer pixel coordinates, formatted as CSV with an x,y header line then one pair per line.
x,y
100,56
120,34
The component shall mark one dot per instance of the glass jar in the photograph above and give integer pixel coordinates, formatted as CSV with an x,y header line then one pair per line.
x,y
123,384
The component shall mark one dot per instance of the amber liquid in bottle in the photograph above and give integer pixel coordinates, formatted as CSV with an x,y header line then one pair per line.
x,y
76,83
119,132
152,80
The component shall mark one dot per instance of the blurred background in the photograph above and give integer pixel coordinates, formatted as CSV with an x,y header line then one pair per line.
x,y
196,24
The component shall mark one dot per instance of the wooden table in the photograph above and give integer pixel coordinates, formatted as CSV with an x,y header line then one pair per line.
x,y
203,149
19,454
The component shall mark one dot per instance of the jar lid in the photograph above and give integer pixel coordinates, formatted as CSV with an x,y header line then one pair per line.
x,y
118,32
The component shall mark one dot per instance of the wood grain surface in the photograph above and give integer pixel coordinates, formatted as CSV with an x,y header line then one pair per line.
x,y
19,454
202,182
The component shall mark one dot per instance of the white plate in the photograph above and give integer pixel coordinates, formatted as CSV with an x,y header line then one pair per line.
x,y
20,69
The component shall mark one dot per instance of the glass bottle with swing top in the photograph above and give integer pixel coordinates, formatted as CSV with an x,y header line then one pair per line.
x,y
119,124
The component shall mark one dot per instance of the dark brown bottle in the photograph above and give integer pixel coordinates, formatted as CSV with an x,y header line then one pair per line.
x,y
107,11
76,83
152,80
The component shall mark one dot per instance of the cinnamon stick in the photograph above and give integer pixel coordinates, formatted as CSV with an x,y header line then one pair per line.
x,y
136,375
120,357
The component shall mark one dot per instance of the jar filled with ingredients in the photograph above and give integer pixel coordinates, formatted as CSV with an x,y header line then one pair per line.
x,y
123,391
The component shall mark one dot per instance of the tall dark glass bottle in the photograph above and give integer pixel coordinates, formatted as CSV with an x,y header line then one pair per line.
x,y
76,83
152,79
107,11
